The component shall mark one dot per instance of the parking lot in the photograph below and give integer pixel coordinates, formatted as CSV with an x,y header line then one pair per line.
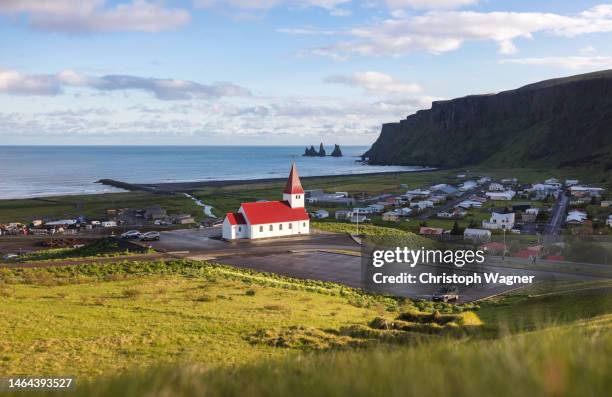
x,y
346,269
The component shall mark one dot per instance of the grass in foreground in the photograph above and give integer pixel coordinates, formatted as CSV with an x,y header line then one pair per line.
x,y
562,361
90,320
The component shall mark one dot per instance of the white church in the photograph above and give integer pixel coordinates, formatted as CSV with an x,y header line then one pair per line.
x,y
270,218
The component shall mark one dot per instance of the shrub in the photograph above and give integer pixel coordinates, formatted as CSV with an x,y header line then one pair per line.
x,y
250,292
131,293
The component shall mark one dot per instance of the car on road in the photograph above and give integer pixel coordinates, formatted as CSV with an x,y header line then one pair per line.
x,y
149,236
9,257
447,293
131,234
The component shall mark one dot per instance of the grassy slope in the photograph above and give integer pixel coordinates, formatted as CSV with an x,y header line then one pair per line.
x,y
90,326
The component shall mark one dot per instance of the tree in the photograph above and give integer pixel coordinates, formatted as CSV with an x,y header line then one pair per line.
x,y
456,230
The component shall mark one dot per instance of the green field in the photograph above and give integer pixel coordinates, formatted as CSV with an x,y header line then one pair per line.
x,y
188,328
93,206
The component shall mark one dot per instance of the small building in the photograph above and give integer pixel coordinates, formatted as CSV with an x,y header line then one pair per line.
x,y
108,224
501,196
499,221
609,221
183,219
271,218
606,203
467,185
154,212
342,215
431,231
418,193
581,190
496,187
356,218
423,204
477,235
444,189
576,217
391,216
571,182
376,208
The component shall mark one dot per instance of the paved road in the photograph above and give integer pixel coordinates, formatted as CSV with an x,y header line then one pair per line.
x,y
553,227
451,203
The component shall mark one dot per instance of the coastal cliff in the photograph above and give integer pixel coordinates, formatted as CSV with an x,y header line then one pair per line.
x,y
560,122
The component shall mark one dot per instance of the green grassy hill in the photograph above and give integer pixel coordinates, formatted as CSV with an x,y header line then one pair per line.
x,y
196,328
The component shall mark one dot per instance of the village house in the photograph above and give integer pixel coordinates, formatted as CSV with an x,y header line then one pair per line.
x,y
501,196
421,205
342,215
270,218
444,189
431,231
391,216
609,221
496,187
582,191
183,219
499,221
467,185
467,204
576,217
376,208
571,182
606,203
417,193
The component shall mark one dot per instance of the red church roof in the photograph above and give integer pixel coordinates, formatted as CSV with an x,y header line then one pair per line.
x,y
236,218
293,186
273,212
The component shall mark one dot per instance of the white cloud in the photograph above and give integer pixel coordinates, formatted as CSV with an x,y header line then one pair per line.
x,y
333,6
587,50
375,83
442,31
428,4
570,62
14,82
96,15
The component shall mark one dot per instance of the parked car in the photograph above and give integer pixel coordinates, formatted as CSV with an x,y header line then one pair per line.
x,y
9,257
149,236
131,234
446,294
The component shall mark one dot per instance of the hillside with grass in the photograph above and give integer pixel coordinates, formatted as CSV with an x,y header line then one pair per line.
x,y
556,123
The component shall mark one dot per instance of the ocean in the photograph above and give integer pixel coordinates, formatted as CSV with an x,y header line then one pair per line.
x,y
39,171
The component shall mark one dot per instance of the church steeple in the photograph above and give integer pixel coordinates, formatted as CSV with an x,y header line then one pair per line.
x,y
294,193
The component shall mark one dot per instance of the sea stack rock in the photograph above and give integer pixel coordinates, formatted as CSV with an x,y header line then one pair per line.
x,y
310,152
321,150
337,152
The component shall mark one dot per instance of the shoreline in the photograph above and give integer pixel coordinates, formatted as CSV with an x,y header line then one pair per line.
x,y
187,187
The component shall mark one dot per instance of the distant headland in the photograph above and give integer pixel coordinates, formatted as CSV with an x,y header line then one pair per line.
x,y
312,152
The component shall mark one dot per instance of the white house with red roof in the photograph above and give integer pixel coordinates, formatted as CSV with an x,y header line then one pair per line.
x,y
270,218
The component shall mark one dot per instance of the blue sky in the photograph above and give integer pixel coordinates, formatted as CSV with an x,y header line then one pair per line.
x,y
271,71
